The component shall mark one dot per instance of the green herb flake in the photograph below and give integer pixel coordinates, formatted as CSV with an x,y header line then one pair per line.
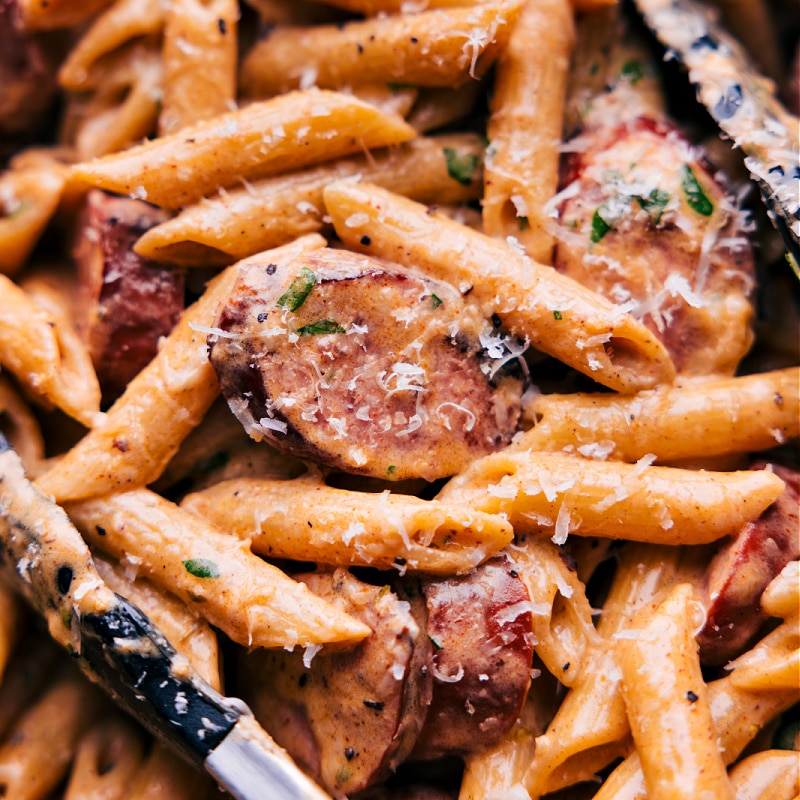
x,y
393,86
654,204
599,226
436,645
523,223
321,326
632,70
298,290
695,196
201,568
343,774
435,301
557,315
460,168
392,469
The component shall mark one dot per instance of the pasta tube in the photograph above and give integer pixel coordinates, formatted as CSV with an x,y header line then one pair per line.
x,y
145,426
216,575
270,212
28,199
535,303
563,494
43,352
667,703
691,419
305,520
440,47
200,62
524,127
768,775
264,138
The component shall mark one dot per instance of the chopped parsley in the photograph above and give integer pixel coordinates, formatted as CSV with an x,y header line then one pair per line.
x,y
557,315
523,223
321,326
632,70
201,568
654,204
599,226
695,196
298,290
460,168
392,469
436,301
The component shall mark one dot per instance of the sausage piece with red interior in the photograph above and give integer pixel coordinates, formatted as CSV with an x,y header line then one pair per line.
x,y
348,717
348,361
643,222
742,569
126,302
480,629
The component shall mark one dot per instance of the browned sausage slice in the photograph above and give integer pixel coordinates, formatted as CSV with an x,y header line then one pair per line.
x,y
480,628
127,302
741,570
345,360
348,717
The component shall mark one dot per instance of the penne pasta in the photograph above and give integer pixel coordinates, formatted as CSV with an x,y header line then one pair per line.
x,y
107,760
20,426
216,575
525,126
49,14
443,47
200,62
264,138
774,665
167,399
36,755
690,419
535,303
558,495
768,775
42,351
338,527
123,22
268,213
667,703
28,199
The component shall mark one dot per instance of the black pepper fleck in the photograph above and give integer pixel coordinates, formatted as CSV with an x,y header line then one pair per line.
x,y
691,696
376,704
349,753
64,579
223,28
100,531
271,269
366,241
262,316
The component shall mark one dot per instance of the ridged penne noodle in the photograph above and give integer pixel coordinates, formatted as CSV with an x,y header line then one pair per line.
x,y
690,419
216,575
124,21
122,110
441,47
166,776
535,303
525,126
667,703
268,213
767,775
185,630
738,715
590,728
780,598
305,520
28,199
200,62
145,426
561,614
34,349
49,14
374,8
264,138
107,760
36,754
557,495
775,665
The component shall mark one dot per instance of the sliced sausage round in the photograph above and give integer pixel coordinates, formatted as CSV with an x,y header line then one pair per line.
x,y
350,362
